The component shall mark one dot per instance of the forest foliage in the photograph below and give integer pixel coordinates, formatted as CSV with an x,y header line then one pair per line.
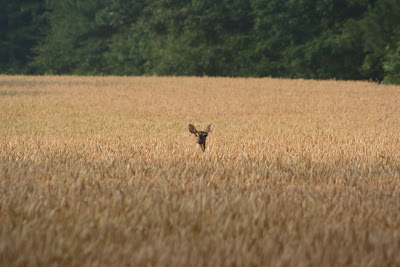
x,y
330,39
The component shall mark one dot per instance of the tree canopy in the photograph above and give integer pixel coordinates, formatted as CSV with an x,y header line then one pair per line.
x,y
342,39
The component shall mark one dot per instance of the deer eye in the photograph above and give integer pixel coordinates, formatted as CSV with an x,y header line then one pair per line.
x,y
205,135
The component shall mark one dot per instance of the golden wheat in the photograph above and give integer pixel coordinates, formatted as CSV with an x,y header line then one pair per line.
x,y
102,171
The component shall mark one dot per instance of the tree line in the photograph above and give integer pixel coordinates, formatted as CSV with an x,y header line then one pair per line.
x,y
342,39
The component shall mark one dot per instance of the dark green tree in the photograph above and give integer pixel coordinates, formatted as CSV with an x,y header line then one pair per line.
x,y
391,65
198,37
309,39
381,36
343,39
90,38
74,44
22,26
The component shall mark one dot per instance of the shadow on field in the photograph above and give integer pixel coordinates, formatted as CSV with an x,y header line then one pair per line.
x,y
22,93
26,83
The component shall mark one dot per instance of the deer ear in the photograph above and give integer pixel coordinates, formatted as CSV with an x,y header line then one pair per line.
x,y
192,129
210,128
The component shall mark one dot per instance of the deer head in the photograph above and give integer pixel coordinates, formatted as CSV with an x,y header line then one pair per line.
x,y
201,135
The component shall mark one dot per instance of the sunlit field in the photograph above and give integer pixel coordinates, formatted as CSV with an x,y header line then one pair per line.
x,y
103,171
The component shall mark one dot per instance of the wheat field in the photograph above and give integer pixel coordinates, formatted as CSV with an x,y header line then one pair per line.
x,y
102,171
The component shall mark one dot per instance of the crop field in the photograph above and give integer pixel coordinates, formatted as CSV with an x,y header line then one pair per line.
x,y
103,171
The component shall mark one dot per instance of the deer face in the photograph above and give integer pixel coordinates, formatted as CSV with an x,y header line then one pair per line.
x,y
201,135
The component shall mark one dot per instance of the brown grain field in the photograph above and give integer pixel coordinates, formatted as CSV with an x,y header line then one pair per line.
x,y
102,171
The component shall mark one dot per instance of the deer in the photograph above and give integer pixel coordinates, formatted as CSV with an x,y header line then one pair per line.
x,y
201,135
